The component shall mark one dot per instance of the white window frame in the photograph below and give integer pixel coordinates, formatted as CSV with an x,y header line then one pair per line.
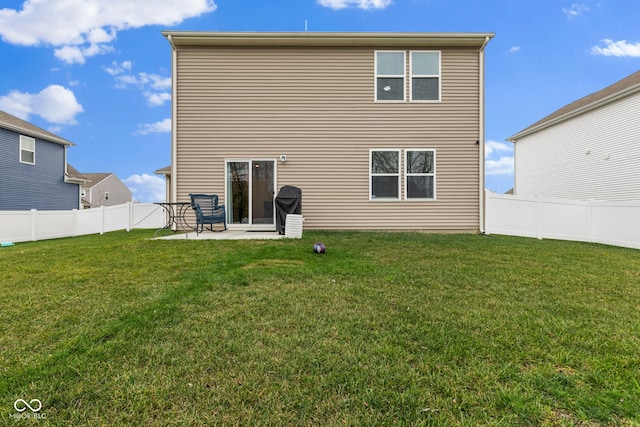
x,y
438,76
398,175
403,76
407,174
24,141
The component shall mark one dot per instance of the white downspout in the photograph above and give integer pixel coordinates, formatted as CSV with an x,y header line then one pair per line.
x,y
174,133
482,136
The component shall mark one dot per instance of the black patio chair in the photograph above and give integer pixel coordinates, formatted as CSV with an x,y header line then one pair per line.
x,y
208,211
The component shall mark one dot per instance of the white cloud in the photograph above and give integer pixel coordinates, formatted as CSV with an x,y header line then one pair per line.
x,y
157,99
502,165
153,86
361,4
78,55
514,49
55,104
575,10
84,28
619,48
116,68
146,188
155,81
491,147
162,126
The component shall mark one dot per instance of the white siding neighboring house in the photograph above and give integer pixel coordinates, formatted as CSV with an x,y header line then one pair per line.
x,y
104,189
589,149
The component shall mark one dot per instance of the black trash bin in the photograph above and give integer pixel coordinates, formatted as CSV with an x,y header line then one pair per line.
x,y
288,201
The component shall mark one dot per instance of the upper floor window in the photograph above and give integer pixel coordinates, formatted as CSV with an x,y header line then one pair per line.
x,y
391,71
390,76
425,76
27,150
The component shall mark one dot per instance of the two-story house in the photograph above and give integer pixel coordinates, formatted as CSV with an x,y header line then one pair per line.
x,y
104,189
380,131
33,168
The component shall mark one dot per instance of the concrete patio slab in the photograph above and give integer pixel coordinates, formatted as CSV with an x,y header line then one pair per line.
x,y
223,235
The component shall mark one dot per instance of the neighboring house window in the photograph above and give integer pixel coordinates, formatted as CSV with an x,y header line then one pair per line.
x,y
420,174
425,76
27,150
390,75
384,174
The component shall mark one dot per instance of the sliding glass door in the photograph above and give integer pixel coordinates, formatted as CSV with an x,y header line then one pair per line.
x,y
250,191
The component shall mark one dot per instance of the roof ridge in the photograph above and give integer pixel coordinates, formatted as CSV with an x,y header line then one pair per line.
x,y
592,99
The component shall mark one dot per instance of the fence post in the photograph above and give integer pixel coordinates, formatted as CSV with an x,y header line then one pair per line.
x,y
487,196
130,213
34,213
590,220
75,222
102,221
539,219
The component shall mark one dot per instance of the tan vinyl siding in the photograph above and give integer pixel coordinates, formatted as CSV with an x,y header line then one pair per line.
x,y
316,106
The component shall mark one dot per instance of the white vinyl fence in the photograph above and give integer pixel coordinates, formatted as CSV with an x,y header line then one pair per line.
x,y
22,226
598,221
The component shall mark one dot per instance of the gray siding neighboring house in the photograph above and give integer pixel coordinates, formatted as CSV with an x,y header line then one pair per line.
x,y
33,168
381,131
588,149
104,189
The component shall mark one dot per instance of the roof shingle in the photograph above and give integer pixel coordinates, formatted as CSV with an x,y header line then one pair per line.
x,y
627,83
15,124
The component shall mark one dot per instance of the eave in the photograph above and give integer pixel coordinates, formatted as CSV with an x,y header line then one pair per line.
x,y
71,180
313,39
543,124
35,134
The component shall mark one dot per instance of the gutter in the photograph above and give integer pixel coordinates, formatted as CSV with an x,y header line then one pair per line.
x,y
35,134
70,180
481,135
174,109
324,39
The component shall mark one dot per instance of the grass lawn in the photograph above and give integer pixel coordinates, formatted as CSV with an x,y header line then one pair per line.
x,y
384,329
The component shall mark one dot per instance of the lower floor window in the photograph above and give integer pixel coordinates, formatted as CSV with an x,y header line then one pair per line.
x,y
420,167
385,174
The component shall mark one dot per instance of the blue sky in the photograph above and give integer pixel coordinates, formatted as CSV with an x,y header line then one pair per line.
x,y
98,72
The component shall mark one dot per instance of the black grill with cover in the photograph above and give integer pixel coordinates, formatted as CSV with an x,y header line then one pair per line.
x,y
288,201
